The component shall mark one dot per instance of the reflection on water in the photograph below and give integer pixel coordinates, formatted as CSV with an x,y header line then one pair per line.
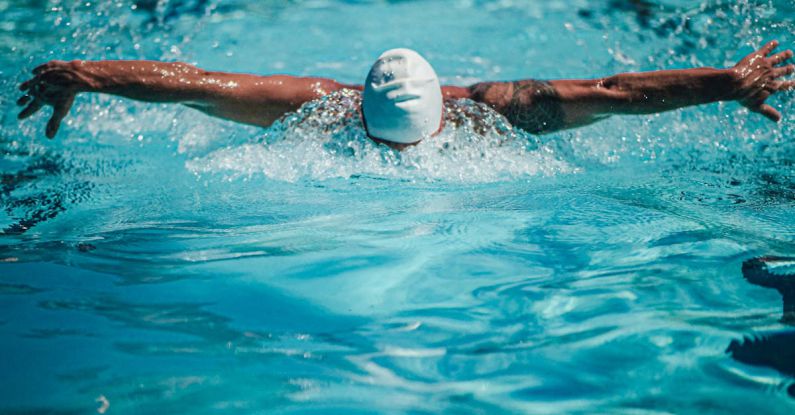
x,y
777,349
774,350
778,273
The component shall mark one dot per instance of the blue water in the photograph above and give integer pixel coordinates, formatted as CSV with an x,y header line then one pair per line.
x,y
159,261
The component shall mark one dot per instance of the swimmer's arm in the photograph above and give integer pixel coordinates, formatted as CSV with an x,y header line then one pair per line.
x,y
546,106
249,99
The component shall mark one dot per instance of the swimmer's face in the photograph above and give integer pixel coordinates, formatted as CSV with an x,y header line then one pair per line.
x,y
402,99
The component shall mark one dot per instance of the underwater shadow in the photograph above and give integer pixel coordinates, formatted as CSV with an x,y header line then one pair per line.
x,y
775,350
38,192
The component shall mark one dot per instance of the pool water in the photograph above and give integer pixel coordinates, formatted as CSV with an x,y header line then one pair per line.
x,y
156,260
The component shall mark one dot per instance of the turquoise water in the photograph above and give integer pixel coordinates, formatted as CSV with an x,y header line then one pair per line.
x,y
159,261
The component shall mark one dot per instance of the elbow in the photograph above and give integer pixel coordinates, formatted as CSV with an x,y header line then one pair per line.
x,y
618,93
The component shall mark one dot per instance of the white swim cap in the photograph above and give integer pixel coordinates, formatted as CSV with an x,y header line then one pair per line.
x,y
402,99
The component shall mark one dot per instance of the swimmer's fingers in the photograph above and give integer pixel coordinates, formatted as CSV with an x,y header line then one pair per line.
x,y
780,71
37,78
780,57
24,99
27,85
786,86
31,109
769,112
769,46
59,112
39,69
756,103
51,74
42,88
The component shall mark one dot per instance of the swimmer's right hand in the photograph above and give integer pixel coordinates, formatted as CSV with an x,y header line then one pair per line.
x,y
56,83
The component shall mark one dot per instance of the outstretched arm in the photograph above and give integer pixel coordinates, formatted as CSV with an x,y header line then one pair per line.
x,y
249,99
546,106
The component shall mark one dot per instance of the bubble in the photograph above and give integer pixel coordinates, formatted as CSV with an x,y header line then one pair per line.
x,y
325,139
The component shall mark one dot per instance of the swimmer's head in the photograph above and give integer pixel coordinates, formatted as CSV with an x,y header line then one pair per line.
x,y
402,100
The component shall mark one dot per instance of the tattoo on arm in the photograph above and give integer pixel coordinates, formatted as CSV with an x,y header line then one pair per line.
x,y
531,105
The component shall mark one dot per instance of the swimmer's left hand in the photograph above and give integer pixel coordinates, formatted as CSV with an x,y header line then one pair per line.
x,y
56,83
758,76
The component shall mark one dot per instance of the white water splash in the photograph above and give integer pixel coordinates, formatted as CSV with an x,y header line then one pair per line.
x,y
325,139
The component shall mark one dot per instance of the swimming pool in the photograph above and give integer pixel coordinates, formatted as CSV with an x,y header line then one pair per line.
x,y
155,260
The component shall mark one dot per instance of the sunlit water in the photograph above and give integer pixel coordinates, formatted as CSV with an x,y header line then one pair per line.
x,y
155,260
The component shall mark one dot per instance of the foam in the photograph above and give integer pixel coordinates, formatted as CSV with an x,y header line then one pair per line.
x,y
325,139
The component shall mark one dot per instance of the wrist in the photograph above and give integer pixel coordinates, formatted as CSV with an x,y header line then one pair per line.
x,y
88,76
731,78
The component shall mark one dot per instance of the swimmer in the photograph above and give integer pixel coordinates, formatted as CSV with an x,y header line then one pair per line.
x,y
402,100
